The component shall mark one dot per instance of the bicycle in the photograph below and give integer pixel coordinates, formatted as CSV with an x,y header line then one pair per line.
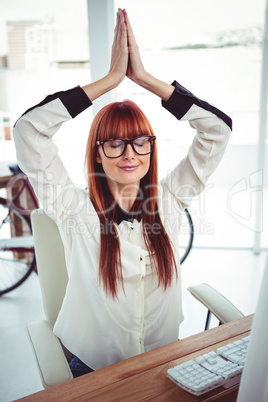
x,y
187,242
17,257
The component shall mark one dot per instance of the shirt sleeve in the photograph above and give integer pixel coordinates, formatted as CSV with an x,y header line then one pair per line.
x,y
213,128
37,154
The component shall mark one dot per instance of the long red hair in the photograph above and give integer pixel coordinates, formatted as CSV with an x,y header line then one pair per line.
x,y
126,120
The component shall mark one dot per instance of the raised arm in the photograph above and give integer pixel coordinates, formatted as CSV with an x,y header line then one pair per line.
x,y
212,127
136,71
37,153
119,62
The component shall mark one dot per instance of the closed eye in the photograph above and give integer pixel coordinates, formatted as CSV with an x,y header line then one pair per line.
x,y
115,144
140,142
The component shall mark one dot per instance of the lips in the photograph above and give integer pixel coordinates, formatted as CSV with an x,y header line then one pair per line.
x,y
129,168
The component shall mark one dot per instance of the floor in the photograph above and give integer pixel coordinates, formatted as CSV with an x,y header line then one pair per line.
x,y
235,273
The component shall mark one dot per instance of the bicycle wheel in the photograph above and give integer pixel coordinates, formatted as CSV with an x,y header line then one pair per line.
x,y
17,258
186,236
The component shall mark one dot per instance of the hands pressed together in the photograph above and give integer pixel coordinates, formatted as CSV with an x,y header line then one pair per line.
x,y
126,62
125,58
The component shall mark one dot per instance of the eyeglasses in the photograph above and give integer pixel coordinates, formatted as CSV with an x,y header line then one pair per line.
x,y
114,148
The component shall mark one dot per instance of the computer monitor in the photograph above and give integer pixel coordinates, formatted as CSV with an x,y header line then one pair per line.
x,y
254,380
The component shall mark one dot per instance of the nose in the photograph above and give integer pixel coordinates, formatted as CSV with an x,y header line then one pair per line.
x,y
129,152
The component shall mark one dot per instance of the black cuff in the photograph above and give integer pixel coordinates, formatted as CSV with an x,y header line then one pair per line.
x,y
75,100
181,101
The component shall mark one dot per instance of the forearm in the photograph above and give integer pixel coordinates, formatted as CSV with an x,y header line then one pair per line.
x,y
213,128
156,86
34,129
98,88
182,100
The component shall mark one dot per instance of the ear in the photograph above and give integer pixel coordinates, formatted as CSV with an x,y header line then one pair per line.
x,y
98,159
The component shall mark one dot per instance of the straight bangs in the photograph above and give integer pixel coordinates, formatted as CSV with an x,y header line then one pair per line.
x,y
123,120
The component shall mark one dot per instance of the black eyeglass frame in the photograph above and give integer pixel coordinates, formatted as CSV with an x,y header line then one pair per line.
x,y
126,142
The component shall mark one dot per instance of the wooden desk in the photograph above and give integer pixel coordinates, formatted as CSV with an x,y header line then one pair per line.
x,y
143,378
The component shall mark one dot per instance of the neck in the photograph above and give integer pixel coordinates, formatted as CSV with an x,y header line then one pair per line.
x,y
124,195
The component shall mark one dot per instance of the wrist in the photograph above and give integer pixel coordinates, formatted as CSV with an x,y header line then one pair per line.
x,y
143,80
113,79
156,86
100,87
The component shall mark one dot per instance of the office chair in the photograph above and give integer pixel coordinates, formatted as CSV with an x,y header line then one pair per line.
x,y
216,304
51,356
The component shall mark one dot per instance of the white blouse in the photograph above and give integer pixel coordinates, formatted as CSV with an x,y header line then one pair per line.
x,y
95,327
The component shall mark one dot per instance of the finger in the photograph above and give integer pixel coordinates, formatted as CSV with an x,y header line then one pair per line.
x,y
120,30
128,23
130,34
123,32
121,26
116,30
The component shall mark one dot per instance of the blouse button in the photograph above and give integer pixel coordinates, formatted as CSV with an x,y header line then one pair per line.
x,y
140,258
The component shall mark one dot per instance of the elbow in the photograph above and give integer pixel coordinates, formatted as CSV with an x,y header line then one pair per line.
x,y
18,128
226,133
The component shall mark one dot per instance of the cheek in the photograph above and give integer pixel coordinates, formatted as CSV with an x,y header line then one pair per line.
x,y
106,165
148,163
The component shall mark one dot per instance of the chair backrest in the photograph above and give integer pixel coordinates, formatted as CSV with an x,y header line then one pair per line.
x,y
51,266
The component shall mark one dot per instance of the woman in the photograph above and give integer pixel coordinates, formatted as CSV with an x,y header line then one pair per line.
x,y
121,237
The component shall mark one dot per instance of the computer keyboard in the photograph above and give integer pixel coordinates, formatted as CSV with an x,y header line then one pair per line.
x,y
212,370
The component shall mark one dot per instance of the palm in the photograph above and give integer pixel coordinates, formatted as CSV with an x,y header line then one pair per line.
x,y
130,74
